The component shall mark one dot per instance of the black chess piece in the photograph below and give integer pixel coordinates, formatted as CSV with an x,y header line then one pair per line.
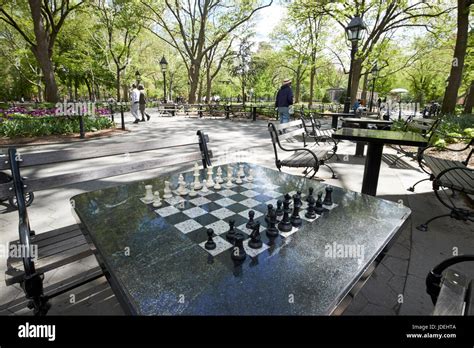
x,y
272,230
328,197
251,223
319,204
279,210
238,252
285,223
231,233
255,240
295,217
310,194
210,244
269,210
310,212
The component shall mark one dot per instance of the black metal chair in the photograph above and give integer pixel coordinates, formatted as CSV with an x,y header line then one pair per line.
x,y
308,157
448,175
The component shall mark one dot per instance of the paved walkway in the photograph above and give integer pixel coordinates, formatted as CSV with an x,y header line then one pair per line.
x,y
397,285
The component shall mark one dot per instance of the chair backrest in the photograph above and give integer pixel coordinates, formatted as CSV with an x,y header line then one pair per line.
x,y
426,127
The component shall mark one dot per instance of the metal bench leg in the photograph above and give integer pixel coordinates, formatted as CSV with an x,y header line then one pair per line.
x,y
33,288
412,188
334,176
424,227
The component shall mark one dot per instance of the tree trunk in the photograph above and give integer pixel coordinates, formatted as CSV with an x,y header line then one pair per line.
x,y
43,53
117,85
200,91
194,81
364,89
89,89
469,102
356,72
312,74
455,76
208,85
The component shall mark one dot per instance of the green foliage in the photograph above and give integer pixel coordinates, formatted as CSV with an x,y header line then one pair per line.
x,y
18,125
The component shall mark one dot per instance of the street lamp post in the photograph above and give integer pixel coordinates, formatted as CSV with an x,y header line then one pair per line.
x,y
355,31
164,67
374,71
138,77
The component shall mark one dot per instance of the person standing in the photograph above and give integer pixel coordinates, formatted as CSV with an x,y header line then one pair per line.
x,y
142,103
284,100
135,98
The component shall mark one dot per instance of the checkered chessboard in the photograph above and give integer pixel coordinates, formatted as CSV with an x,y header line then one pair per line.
x,y
214,209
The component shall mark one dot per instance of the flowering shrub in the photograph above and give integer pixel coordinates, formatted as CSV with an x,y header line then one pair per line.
x,y
23,122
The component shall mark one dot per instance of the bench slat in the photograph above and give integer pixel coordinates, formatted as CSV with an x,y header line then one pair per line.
x,y
38,184
291,134
460,180
40,158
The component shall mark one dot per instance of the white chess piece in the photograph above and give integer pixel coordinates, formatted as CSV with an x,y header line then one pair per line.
x,y
209,181
229,180
192,193
217,186
219,175
239,179
204,187
157,200
250,176
148,193
167,191
182,186
241,171
230,172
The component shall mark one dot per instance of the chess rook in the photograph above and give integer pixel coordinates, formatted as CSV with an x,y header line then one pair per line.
x,y
328,197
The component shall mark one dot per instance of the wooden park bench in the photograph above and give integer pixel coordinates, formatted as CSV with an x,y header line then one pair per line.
x,y
310,157
68,244
239,111
447,174
167,109
451,292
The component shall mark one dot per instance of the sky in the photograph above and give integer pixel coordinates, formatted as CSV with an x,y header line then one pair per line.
x,y
266,20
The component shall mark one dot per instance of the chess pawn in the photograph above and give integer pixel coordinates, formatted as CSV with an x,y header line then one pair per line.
x,y
295,217
167,191
229,180
250,176
285,223
217,186
269,211
157,200
230,172
310,194
328,197
204,186
210,244
239,179
193,192
148,193
219,175
255,239
241,171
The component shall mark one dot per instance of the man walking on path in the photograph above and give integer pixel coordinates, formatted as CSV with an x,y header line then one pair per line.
x,y
135,98
142,103
283,101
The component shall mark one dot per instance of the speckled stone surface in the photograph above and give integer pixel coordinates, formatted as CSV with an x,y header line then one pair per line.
x,y
163,271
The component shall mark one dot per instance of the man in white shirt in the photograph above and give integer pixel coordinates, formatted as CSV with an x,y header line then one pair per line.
x,y
135,98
